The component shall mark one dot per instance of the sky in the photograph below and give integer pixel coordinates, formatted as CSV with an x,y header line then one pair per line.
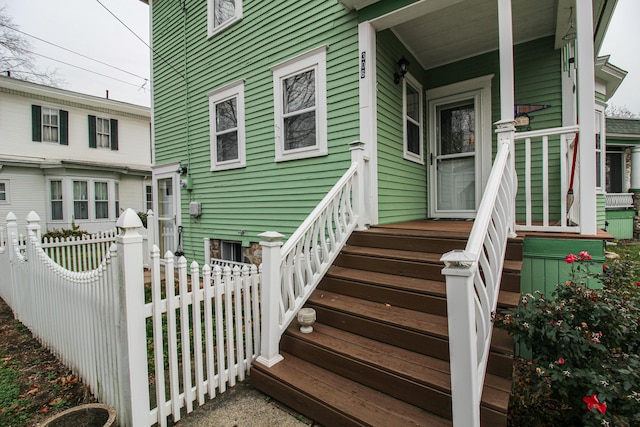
x,y
86,27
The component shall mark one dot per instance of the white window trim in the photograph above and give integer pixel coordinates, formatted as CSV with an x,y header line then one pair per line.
x,y
408,155
48,196
98,134
7,193
233,90
95,200
68,200
213,30
603,150
42,124
315,59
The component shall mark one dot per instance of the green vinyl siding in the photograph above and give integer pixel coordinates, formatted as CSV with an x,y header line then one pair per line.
x,y
601,202
239,204
543,265
620,223
402,184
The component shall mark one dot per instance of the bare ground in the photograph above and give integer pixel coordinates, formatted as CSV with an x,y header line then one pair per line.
x,y
34,384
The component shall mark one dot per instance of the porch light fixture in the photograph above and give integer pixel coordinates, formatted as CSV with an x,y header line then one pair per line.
x,y
403,65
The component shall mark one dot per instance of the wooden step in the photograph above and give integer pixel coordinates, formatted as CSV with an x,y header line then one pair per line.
x,y
400,291
417,331
412,330
411,377
333,400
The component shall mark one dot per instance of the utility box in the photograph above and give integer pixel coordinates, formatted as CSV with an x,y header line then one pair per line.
x,y
195,209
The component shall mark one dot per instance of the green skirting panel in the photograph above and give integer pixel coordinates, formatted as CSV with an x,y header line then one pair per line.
x,y
543,262
620,223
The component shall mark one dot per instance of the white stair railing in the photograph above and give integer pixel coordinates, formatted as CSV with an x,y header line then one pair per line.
x,y
473,282
618,200
555,203
291,272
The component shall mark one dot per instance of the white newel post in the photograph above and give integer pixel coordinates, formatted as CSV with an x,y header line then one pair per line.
x,y
270,298
506,132
33,225
207,250
151,230
463,340
359,196
132,354
12,230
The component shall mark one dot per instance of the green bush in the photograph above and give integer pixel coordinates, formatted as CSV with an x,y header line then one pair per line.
x,y
585,368
64,233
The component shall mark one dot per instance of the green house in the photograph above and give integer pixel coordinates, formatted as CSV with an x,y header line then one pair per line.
x,y
623,175
261,107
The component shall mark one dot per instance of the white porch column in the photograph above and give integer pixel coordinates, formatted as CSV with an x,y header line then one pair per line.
x,y
368,117
635,169
505,33
586,116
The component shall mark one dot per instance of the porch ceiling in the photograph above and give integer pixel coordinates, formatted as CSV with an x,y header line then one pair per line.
x,y
459,29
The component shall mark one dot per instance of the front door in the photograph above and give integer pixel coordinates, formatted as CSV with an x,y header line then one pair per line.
x,y
168,215
456,137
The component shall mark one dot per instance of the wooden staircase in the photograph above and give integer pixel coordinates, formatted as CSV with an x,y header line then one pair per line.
x,y
379,351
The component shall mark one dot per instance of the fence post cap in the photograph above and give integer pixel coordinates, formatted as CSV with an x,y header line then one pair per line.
x,y
129,220
149,212
33,217
11,217
271,236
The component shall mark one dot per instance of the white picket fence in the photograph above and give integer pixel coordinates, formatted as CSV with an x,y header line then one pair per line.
x,y
102,326
79,253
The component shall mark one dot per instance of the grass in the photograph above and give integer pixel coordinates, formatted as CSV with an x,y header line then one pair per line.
x,y
12,405
626,250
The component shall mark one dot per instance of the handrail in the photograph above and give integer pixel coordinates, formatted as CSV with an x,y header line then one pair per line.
x,y
554,212
312,248
618,200
473,277
291,272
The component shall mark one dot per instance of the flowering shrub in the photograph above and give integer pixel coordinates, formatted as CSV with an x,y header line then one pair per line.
x,y
585,368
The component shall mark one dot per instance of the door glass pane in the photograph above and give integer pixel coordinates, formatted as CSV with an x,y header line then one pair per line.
x,y
166,216
457,129
456,184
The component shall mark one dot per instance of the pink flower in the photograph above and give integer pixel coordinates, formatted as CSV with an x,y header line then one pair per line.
x,y
561,361
570,259
593,402
584,256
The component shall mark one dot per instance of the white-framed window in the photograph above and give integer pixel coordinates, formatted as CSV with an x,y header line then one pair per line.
x,y
116,198
222,14
600,150
300,102
231,251
50,125
103,133
413,119
226,123
55,198
148,197
101,199
80,200
4,192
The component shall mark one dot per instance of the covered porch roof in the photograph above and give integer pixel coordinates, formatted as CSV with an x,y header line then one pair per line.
x,y
439,32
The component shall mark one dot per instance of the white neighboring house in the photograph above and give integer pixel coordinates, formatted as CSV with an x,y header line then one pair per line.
x,y
71,157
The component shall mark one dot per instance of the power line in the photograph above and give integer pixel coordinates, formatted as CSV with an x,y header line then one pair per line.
x,y
145,43
76,53
85,69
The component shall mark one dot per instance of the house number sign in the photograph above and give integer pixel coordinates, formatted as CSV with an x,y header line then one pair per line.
x,y
363,64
